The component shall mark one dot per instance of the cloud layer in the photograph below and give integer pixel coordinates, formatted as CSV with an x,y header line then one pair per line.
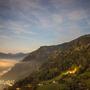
x,y
6,65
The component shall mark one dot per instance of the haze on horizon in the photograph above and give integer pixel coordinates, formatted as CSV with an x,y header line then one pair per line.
x,y
26,25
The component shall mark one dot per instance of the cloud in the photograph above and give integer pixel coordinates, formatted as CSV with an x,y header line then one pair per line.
x,y
77,15
19,29
16,27
64,2
41,21
5,65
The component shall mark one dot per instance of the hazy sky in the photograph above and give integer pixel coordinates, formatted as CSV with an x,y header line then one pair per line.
x,y
27,24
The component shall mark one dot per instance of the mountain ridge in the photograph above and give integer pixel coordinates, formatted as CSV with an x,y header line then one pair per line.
x,y
67,68
47,54
12,56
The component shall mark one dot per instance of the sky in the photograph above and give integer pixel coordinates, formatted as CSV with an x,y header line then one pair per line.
x,y
25,25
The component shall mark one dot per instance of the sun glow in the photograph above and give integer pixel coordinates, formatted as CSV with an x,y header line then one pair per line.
x,y
7,63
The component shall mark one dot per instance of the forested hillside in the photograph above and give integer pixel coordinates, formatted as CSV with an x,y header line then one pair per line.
x,y
66,68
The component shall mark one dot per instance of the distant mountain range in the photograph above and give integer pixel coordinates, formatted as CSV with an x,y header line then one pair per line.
x,y
12,56
65,66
